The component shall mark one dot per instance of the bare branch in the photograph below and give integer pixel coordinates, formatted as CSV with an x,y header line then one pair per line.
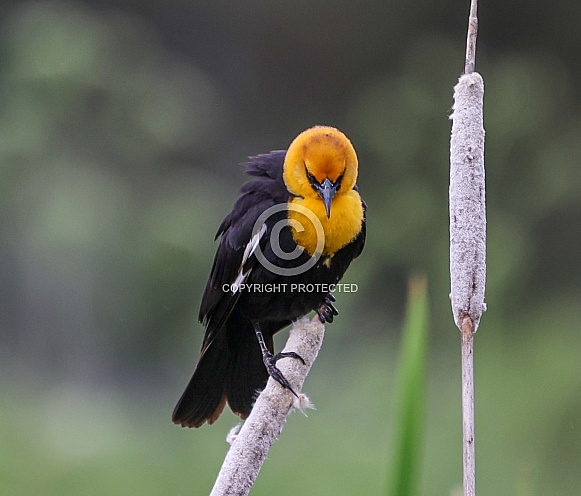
x,y
468,407
471,38
263,426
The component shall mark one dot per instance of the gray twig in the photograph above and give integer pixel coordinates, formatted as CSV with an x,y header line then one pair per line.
x,y
468,407
471,38
264,424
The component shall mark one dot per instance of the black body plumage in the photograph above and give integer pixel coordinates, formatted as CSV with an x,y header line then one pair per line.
x,y
231,365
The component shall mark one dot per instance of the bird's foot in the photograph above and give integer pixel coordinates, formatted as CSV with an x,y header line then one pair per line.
x,y
273,371
327,310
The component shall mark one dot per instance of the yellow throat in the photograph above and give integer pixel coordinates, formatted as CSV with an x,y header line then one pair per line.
x,y
339,230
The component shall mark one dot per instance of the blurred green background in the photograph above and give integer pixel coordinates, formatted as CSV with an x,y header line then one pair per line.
x,y
122,126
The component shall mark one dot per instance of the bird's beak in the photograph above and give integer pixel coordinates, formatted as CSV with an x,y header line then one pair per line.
x,y
326,191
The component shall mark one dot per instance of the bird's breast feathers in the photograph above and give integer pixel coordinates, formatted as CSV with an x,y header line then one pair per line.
x,y
338,231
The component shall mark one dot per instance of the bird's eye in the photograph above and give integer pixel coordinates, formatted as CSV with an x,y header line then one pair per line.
x,y
339,180
312,179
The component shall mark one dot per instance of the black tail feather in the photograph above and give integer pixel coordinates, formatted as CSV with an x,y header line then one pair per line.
x,y
204,397
230,369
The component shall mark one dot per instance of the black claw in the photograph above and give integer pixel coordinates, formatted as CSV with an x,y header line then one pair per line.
x,y
329,317
274,372
270,361
332,308
288,354
322,315
327,310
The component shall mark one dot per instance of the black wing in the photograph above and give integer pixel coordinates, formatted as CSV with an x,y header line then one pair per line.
x,y
234,260
360,239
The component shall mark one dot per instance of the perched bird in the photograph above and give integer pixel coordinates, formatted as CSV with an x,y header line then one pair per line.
x,y
299,221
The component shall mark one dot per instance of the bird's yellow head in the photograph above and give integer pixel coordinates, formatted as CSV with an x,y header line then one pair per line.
x,y
320,163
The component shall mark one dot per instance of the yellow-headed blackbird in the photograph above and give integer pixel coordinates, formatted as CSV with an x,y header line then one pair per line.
x,y
288,240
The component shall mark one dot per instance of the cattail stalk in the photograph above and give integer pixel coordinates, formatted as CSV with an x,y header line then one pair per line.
x,y
468,231
264,424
